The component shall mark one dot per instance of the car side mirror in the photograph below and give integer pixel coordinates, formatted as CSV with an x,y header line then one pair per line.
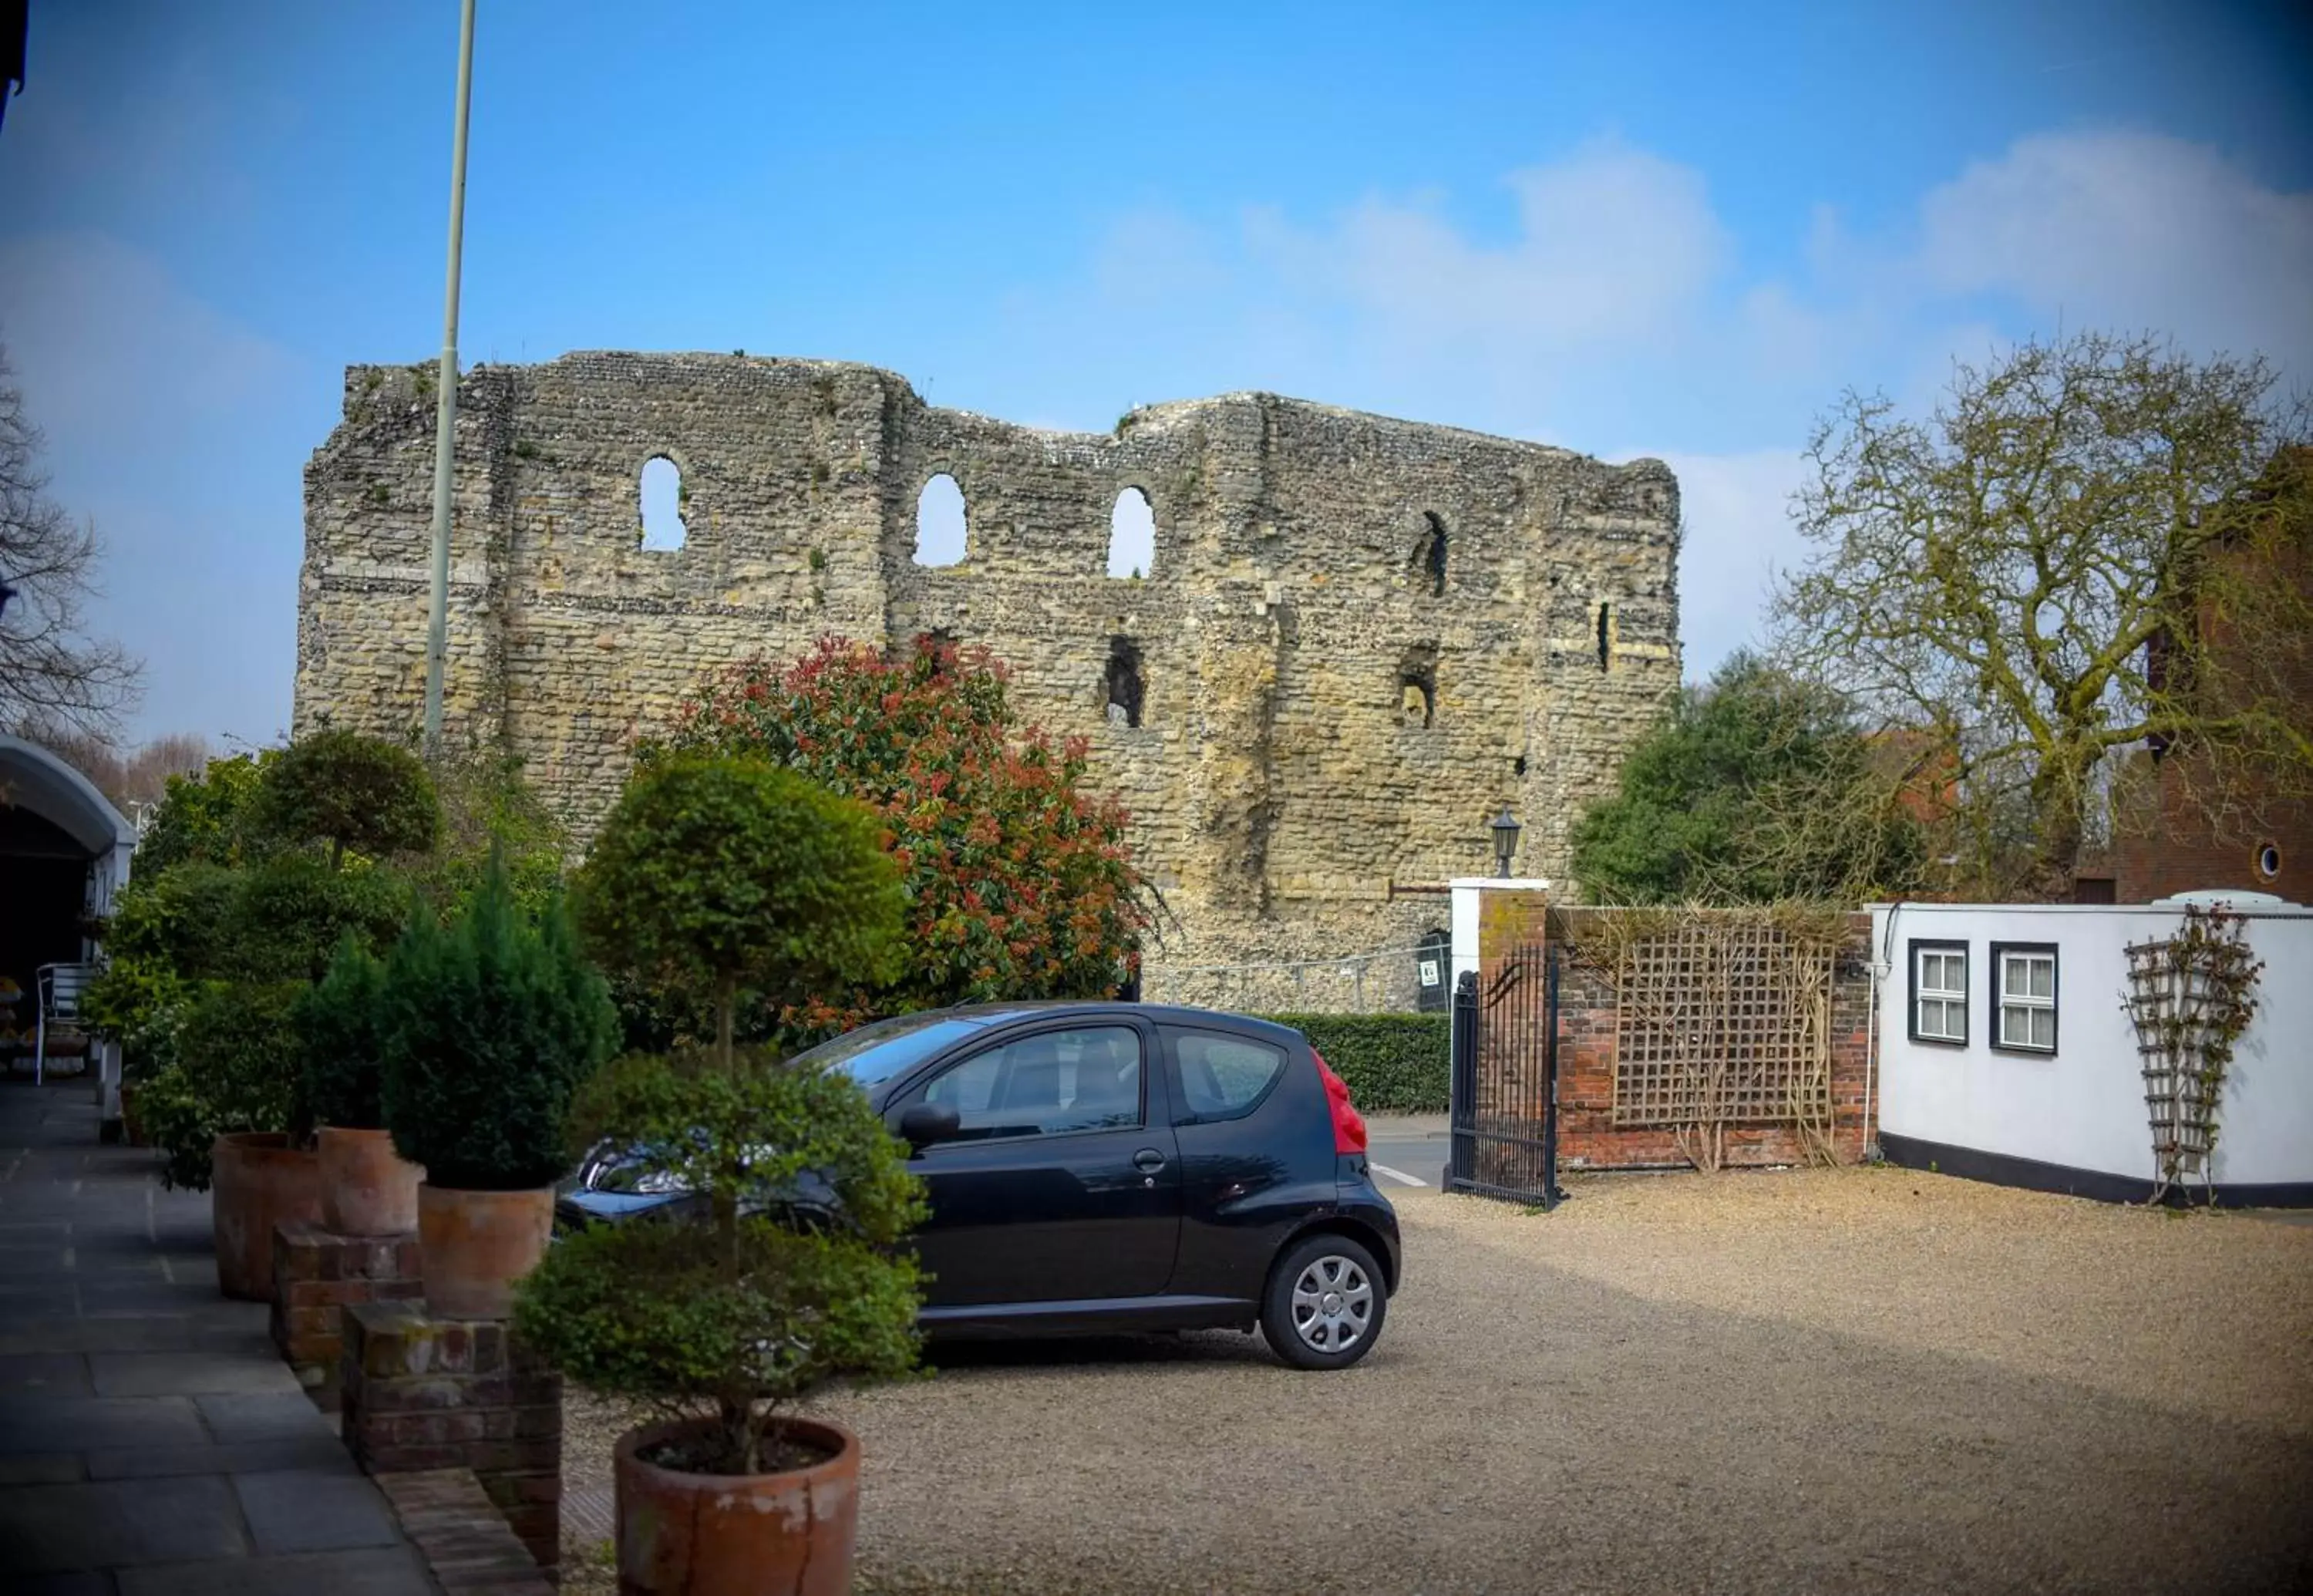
x,y
923,1124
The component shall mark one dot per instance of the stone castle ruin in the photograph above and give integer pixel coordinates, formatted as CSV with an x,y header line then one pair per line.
x,y
1358,638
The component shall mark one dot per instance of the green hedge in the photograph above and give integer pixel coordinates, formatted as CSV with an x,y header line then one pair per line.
x,y
1393,1063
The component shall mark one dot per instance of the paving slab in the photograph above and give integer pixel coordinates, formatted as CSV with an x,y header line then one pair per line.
x,y
314,1453
39,1422
265,1415
58,1372
152,1440
377,1571
300,1511
187,1374
119,1523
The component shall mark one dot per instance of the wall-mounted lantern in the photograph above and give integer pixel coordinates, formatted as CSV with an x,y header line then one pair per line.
x,y
1505,827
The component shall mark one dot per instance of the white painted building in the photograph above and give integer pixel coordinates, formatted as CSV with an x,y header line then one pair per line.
x,y
2005,1052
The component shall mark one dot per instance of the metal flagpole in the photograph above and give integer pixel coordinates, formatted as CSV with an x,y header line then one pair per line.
x,y
445,403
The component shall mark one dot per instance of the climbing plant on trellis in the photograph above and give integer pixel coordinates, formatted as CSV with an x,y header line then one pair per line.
x,y
2190,996
1722,1017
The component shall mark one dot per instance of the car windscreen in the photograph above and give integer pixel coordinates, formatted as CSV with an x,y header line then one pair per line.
x,y
874,1054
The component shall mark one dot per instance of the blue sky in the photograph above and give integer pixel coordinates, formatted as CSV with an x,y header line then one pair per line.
x,y
1677,230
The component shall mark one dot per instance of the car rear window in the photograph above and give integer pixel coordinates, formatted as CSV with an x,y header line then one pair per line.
x,y
874,1054
1223,1076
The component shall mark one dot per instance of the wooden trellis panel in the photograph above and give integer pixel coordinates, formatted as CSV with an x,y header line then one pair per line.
x,y
2169,1003
1723,1019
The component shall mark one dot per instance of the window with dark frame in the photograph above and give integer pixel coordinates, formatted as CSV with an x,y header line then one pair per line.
x,y
1939,992
2024,997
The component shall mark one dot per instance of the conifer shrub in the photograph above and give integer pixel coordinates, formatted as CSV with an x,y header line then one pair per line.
x,y
341,1037
488,1028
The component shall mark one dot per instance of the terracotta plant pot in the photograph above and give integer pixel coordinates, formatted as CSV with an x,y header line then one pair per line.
x,y
368,1188
736,1534
473,1246
258,1181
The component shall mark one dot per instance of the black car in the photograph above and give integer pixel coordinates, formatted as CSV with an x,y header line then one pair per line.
x,y
1106,1165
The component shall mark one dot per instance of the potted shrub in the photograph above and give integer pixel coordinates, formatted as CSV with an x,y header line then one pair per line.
x,y
226,1114
487,1026
718,1329
729,877
368,1188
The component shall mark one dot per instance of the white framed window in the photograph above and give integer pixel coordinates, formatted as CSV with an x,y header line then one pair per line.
x,y
1939,992
2024,996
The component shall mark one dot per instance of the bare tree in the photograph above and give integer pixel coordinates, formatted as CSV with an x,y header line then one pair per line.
x,y
50,670
2074,556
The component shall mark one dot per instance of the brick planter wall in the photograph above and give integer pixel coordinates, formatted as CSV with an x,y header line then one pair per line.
x,y
423,1393
467,1545
316,1276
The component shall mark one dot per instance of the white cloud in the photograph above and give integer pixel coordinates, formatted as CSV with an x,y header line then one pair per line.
x,y
1612,244
2129,231
1614,307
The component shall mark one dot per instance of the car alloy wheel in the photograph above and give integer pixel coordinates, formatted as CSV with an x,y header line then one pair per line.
x,y
1333,1304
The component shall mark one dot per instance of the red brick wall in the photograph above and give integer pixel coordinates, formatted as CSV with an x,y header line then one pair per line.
x,y
2165,841
1588,1136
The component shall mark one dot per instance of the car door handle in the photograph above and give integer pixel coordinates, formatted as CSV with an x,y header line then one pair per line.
x,y
1149,1160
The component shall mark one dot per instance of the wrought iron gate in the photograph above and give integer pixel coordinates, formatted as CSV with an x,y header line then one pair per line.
x,y
1504,1139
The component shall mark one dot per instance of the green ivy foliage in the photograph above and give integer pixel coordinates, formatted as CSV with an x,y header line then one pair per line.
x,y
719,874
488,1027
1391,1064
358,794
341,1041
747,1316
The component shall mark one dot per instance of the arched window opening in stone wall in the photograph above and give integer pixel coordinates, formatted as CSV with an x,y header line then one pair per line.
x,y
1120,687
940,522
1429,561
1606,635
1132,535
1417,688
663,500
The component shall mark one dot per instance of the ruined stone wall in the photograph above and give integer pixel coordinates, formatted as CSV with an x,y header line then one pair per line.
x,y
1279,783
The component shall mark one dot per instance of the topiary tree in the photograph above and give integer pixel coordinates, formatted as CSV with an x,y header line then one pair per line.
x,y
488,1026
1019,883
350,791
341,1037
718,874
749,1315
713,874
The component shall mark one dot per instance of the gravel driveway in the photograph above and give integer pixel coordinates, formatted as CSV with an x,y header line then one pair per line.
x,y
1848,1380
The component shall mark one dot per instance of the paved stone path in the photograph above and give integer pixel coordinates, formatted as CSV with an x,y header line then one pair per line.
x,y
151,1438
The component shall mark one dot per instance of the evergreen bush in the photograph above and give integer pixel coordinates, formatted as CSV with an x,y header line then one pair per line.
x,y
236,1069
358,794
711,876
1391,1064
341,1035
488,1026
723,875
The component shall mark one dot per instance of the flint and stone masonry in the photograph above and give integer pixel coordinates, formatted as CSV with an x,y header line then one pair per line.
x,y
1358,640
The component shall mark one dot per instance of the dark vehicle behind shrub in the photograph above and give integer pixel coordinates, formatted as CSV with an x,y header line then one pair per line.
x,y
1100,1166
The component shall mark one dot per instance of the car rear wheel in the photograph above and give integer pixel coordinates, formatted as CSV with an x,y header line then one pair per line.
x,y
1324,1304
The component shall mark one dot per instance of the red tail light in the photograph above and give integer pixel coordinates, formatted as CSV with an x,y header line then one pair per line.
x,y
1349,1124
